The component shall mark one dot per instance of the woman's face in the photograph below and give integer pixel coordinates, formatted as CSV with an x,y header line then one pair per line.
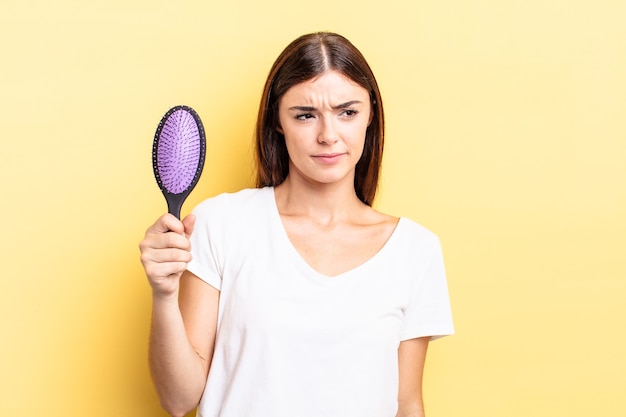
x,y
324,121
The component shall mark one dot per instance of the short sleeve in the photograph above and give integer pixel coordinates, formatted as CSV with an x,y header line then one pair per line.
x,y
428,312
205,247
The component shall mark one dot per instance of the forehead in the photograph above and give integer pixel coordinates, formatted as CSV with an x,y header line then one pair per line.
x,y
330,84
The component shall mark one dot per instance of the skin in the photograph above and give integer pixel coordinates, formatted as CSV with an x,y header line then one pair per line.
x,y
324,122
184,316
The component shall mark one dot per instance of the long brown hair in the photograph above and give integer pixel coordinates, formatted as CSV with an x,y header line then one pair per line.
x,y
303,59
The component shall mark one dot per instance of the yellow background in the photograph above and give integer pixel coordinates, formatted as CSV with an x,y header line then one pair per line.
x,y
506,136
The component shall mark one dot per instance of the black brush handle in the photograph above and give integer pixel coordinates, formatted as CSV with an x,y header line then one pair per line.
x,y
175,202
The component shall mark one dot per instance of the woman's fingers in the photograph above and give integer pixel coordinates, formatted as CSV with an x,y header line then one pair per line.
x,y
165,251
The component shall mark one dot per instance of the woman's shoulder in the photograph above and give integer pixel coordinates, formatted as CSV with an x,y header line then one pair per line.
x,y
406,232
230,202
414,235
417,228
403,224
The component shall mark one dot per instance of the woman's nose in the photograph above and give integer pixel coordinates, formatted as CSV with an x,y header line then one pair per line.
x,y
328,132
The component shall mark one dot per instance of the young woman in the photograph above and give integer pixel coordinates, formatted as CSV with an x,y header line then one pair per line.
x,y
300,299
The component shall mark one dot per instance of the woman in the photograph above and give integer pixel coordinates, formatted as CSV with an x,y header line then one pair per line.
x,y
300,299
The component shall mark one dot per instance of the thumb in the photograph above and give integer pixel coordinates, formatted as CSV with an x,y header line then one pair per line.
x,y
167,223
189,222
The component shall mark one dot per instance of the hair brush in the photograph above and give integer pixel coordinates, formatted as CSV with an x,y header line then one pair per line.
x,y
178,155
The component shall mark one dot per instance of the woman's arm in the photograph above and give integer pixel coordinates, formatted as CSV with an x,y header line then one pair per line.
x,y
182,336
184,316
411,358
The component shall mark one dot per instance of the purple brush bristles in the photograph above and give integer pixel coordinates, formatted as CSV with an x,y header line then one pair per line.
x,y
179,151
178,155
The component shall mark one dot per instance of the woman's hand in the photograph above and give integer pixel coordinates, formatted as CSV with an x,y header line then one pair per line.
x,y
165,252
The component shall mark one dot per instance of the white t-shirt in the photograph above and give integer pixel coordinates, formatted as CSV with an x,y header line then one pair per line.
x,y
292,342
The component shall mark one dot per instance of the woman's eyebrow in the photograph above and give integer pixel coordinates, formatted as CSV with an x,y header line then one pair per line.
x,y
347,104
339,106
302,108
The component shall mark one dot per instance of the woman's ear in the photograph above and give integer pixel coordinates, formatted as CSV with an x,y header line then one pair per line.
x,y
280,130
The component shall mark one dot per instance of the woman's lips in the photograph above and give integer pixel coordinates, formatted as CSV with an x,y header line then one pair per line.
x,y
328,158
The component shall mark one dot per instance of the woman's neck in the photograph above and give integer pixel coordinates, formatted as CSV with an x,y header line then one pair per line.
x,y
324,203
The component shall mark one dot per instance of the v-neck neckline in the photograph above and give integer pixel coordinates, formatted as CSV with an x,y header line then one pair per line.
x,y
286,241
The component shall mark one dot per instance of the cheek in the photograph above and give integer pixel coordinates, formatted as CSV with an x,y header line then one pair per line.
x,y
298,136
360,136
362,142
291,144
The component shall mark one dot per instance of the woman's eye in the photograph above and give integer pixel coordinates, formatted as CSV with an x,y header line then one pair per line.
x,y
350,113
304,116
